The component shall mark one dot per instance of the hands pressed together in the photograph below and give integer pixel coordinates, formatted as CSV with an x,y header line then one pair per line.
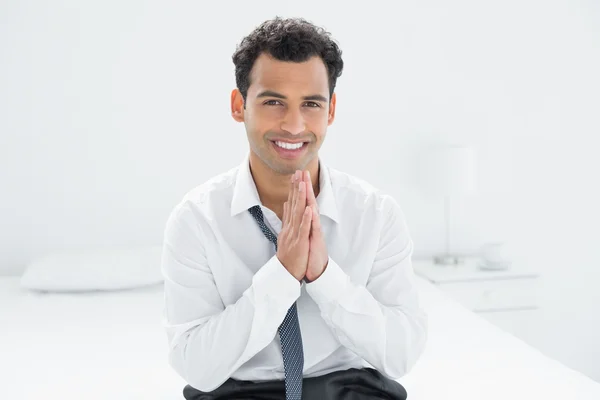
x,y
301,246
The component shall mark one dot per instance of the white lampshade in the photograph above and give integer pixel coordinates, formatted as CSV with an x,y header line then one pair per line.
x,y
448,170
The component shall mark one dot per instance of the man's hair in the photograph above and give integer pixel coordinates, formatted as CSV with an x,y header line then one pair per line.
x,y
290,39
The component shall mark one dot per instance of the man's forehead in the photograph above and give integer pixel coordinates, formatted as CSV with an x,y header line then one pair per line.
x,y
272,74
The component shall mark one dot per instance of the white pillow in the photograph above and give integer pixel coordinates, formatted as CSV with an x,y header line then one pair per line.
x,y
90,270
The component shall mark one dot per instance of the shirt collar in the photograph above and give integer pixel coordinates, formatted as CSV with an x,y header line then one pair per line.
x,y
245,194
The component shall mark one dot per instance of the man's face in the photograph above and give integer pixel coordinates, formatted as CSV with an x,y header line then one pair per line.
x,y
286,102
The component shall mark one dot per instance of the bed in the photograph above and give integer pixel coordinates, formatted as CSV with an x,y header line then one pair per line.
x,y
111,345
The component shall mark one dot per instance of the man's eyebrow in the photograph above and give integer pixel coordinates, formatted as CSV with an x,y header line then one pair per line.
x,y
270,93
316,97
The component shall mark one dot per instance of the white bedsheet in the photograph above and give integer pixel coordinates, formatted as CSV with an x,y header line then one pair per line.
x,y
112,346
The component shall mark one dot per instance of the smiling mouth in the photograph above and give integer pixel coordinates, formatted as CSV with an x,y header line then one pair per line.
x,y
289,145
288,150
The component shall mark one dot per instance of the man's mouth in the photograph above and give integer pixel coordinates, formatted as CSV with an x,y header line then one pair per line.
x,y
289,150
289,145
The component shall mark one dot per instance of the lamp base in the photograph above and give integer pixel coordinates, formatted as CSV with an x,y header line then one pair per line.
x,y
447,259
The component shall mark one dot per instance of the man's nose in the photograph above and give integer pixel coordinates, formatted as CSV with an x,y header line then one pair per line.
x,y
293,122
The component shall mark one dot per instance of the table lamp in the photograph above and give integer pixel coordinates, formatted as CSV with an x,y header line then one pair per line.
x,y
448,171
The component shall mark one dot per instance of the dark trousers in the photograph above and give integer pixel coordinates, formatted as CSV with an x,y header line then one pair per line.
x,y
351,384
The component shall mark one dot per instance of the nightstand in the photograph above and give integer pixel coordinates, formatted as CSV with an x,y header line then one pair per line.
x,y
506,298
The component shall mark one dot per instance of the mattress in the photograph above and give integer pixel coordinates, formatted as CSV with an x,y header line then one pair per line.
x,y
112,346
84,346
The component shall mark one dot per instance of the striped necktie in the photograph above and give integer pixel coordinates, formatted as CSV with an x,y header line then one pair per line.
x,y
289,331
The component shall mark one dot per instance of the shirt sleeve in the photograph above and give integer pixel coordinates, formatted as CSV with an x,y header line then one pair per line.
x,y
208,341
381,322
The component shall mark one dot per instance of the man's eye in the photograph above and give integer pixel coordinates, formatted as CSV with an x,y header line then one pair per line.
x,y
272,102
313,104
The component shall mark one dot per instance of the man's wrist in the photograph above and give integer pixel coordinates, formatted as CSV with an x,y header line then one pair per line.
x,y
275,279
330,285
318,276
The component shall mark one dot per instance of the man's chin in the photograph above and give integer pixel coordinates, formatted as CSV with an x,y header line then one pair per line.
x,y
287,167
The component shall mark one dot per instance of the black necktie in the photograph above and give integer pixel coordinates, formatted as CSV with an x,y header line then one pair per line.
x,y
289,331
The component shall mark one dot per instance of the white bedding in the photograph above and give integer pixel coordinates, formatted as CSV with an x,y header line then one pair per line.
x,y
112,346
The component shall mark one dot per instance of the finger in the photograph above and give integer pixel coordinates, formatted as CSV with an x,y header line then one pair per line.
x,y
302,198
304,230
285,215
288,219
316,223
300,204
310,193
293,209
291,190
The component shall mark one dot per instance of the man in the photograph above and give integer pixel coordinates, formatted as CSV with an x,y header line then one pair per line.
x,y
285,278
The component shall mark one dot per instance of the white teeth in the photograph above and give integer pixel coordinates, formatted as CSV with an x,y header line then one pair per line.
x,y
289,146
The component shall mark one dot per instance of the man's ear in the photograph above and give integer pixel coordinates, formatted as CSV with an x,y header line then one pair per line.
x,y
331,114
237,105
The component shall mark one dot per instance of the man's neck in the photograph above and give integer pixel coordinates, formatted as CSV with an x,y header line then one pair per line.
x,y
273,188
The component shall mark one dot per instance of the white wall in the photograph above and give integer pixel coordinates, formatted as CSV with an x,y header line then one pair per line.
x,y
111,111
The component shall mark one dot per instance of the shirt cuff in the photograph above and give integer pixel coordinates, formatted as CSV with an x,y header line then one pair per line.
x,y
274,282
330,286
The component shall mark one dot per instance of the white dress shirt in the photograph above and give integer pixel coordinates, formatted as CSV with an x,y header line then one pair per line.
x,y
226,292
